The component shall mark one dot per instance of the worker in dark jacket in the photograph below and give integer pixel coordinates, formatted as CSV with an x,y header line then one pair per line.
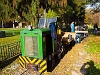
x,y
95,28
85,27
53,29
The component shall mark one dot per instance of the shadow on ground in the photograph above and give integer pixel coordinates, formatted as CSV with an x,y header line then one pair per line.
x,y
89,69
57,61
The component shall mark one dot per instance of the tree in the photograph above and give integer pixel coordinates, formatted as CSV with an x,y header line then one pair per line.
x,y
13,5
4,11
59,7
32,13
8,10
51,14
78,10
95,11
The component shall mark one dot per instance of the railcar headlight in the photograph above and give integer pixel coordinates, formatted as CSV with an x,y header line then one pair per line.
x,y
29,27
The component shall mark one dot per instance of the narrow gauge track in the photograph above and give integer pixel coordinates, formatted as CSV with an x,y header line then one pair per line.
x,y
30,71
8,61
8,53
23,71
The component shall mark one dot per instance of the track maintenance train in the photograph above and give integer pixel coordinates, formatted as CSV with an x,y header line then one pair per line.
x,y
41,47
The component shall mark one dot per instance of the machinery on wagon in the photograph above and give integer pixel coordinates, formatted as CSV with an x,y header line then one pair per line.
x,y
80,33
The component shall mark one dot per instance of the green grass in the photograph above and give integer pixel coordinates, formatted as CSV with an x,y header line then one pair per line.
x,y
94,45
97,66
8,40
11,31
17,29
9,35
93,48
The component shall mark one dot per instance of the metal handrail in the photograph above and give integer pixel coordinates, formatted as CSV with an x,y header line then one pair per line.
x,y
9,50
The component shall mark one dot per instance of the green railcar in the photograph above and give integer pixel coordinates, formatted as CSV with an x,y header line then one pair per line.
x,y
37,48
41,47
35,43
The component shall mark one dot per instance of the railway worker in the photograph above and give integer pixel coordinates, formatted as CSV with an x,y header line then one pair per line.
x,y
95,28
72,27
53,31
77,38
85,27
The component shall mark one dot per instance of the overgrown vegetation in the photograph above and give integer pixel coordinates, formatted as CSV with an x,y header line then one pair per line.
x,y
93,48
93,68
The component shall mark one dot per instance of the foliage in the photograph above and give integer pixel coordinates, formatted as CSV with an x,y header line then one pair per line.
x,y
78,10
32,12
29,10
51,14
67,10
96,18
97,65
88,17
8,10
92,18
3,11
93,68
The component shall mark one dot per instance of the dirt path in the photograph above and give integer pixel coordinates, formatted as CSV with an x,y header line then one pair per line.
x,y
72,62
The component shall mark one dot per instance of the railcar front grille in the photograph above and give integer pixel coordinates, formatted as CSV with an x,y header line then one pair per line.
x,y
31,46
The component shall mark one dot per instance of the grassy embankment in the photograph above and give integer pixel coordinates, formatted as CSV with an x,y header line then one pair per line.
x,y
93,49
12,35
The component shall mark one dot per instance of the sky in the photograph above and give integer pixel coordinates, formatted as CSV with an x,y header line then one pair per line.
x,y
89,6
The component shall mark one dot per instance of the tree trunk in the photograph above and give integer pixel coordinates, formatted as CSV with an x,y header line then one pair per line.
x,y
2,24
13,25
